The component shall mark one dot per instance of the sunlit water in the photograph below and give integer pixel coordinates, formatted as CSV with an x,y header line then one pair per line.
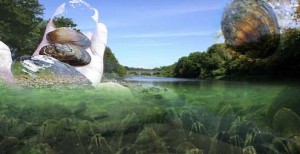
x,y
155,115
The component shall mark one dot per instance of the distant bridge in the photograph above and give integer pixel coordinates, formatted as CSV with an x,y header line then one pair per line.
x,y
143,72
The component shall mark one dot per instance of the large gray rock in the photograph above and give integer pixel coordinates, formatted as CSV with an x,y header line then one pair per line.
x,y
51,70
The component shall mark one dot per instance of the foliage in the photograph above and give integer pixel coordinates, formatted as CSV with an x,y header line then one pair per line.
x,y
121,71
64,22
262,48
111,63
201,64
223,61
167,71
20,24
287,60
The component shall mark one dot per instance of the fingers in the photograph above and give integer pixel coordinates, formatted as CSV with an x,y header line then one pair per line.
x,y
95,17
50,27
99,40
5,65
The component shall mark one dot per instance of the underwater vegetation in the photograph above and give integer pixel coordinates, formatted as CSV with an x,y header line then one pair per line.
x,y
219,119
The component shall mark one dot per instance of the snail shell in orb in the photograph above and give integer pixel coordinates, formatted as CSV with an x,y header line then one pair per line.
x,y
66,35
248,21
68,53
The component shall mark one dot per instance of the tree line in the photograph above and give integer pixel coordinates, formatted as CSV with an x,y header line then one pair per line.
x,y
222,61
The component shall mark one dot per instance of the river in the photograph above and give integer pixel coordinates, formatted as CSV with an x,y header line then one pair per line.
x,y
213,91
153,115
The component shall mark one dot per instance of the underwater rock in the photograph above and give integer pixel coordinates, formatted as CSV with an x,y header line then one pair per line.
x,y
127,150
283,145
149,142
199,128
66,124
261,141
188,119
65,35
170,117
100,116
67,53
288,98
188,147
41,148
249,24
237,141
6,124
241,128
295,142
286,122
249,150
98,144
80,108
48,131
226,118
10,144
147,135
114,90
221,144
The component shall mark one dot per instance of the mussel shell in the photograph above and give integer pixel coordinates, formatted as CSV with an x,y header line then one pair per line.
x,y
68,53
286,122
66,35
248,21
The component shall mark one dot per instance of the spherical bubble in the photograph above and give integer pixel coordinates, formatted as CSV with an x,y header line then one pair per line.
x,y
251,25
78,12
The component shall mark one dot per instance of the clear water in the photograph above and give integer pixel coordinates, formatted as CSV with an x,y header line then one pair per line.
x,y
154,115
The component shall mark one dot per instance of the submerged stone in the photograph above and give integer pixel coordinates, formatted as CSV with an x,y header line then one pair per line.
x,y
286,122
43,70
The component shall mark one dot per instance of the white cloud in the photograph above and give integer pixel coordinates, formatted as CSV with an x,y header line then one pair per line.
x,y
75,3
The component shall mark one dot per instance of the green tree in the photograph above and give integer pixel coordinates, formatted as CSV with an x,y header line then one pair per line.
x,y
187,68
121,71
111,63
64,22
20,24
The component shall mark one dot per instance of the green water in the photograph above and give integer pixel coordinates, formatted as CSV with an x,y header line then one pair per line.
x,y
154,115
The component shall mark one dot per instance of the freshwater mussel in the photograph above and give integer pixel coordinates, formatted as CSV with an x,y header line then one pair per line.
x,y
65,35
251,27
68,53
68,46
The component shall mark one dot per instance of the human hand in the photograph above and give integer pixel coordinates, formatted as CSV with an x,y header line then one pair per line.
x,y
94,70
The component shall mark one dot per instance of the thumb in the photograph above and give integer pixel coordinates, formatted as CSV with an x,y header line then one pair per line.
x,y
99,40
99,37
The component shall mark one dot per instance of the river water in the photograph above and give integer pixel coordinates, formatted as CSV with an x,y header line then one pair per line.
x,y
208,91
153,115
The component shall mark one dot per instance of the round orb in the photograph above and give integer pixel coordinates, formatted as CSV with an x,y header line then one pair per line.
x,y
251,26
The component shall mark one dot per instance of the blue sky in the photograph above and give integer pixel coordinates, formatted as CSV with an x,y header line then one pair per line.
x,y
153,33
